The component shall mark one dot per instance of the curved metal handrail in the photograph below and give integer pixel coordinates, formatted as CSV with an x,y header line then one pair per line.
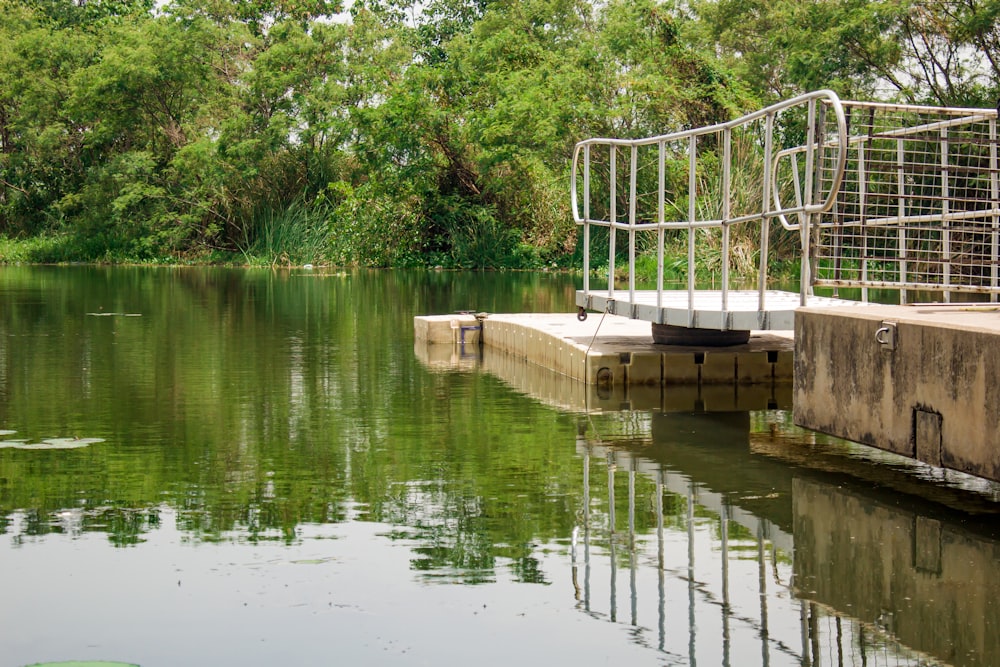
x,y
814,143
827,96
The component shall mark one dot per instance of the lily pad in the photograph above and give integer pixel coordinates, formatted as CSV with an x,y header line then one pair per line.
x,y
114,314
84,663
50,443
63,443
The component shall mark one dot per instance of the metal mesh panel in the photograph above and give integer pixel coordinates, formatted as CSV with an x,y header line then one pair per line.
x,y
918,206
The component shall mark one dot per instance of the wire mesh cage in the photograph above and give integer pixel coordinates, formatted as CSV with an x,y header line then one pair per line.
x,y
918,206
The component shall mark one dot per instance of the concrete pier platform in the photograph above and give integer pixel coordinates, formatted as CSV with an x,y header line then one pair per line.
x,y
568,395
920,380
614,351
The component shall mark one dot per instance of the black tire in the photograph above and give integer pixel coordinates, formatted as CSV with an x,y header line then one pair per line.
x,y
668,334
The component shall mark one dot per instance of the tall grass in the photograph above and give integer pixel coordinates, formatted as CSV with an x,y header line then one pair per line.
x,y
293,236
41,249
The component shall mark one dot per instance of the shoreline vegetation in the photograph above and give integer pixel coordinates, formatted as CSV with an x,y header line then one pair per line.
x,y
396,133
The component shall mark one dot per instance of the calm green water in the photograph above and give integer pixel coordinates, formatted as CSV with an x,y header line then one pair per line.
x,y
278,476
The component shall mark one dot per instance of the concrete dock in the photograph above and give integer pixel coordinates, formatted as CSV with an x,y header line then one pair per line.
x,y
611,350
568,395
920,380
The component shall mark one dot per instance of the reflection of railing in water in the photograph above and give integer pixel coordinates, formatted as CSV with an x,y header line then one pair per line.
x,y
698,596
791,618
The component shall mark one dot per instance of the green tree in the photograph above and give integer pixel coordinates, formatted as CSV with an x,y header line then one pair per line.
x,y
407,132
258,15
90,14
42,148
951,51
942,52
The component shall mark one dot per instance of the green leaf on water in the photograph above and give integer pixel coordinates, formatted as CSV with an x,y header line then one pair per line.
x,y
114,314
83,663
63,443
50,443
313,561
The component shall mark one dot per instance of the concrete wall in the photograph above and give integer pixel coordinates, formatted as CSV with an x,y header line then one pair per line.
x,y
570,394
934,395
615,351
446,329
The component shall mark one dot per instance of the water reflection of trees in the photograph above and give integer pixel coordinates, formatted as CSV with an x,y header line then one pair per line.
x,y
254,402
251,405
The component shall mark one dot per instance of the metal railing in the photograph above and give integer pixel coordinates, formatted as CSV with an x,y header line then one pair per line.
x,y
668,188
891,196
918,205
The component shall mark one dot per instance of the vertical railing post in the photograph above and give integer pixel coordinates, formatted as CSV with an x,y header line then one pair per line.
x,y
586,528
661,176
765,222
726,604
662,597
612,467
805,221
901,211
817,184
762,588
633,168
633,556
613,220
692,626
692,195
810,152
804,627
862,203
995,196
586,219
631,502
727,213
945,210
805,278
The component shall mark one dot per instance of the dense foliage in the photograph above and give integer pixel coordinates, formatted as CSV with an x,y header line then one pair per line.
x,y
397,132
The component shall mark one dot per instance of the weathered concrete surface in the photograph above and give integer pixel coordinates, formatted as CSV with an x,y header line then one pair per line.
x,y
934,397
619,351
446,328
565,393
